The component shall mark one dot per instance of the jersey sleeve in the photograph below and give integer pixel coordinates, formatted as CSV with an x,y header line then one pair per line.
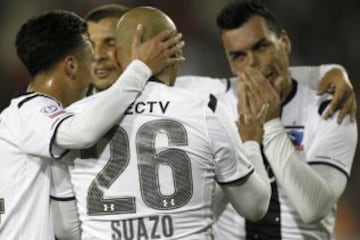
x,y
231,162
312,75
102,111
39,117
334,144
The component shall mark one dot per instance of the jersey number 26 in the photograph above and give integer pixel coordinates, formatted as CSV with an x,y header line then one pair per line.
x,y
149,161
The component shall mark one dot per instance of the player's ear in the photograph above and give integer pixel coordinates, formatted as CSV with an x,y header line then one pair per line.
x,y
285,41
70,67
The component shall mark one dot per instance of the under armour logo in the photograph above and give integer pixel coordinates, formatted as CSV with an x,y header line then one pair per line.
x,y
109,208
166,202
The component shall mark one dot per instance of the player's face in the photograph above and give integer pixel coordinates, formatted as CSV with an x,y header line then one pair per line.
x,y
102,36
254,45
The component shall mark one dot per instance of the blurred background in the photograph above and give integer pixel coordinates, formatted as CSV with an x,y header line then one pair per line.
x,y
322,31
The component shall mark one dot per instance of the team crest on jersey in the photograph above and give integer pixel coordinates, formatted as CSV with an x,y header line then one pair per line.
x,y
296,136
52,111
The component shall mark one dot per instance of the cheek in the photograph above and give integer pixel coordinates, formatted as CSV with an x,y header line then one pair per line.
x,y
87,76
237,67
111,54
269,56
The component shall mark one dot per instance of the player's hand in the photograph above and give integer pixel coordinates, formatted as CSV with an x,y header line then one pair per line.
x,y
344,99
260,92
250,124
160,51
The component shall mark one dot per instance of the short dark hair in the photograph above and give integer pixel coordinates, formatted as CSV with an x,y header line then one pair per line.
x,y
237,13
45,39
106,11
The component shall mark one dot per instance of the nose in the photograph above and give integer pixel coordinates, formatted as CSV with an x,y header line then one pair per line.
x,y
253,59
99,53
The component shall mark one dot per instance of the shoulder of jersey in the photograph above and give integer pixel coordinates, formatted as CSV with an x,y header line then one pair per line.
x,y
191,80
320,102
28,97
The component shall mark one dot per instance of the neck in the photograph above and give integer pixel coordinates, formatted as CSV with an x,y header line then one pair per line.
x,y
287,91
168,76
167,80
46,84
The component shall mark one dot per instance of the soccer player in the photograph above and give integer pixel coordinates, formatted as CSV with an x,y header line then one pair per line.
x,y
54,47
309,158
153,175
101,27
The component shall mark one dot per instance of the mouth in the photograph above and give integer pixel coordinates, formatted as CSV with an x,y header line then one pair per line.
x,y
103,72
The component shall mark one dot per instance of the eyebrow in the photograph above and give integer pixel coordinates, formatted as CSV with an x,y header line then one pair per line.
x,y
254,46
261,41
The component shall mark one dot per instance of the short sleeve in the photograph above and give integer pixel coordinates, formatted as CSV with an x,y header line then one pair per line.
x,y
307,75
312,75
334,144
231,162
39,117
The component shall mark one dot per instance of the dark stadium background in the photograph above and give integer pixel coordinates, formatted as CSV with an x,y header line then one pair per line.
x,y
322,31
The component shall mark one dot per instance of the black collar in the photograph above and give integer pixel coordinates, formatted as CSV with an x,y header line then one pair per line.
x,y
291,94
155,79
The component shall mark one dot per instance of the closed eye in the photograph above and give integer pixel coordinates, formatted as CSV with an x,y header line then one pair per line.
x,y
261,45
110,42
237,55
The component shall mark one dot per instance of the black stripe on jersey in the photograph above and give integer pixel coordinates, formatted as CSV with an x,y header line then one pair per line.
x,y
228,85
294,127
292,93
323,106
331,165
155,79
269,227
21,103
239,179
53,139
63,199
212,102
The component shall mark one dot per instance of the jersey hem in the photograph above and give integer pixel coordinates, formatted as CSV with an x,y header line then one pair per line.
x,y
52,140
62,199
241,178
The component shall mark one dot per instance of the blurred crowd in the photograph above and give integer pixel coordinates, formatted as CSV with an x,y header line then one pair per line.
x,y
322,31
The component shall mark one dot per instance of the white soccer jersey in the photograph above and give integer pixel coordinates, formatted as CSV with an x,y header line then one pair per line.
x,y
26,130
153,175
320,142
